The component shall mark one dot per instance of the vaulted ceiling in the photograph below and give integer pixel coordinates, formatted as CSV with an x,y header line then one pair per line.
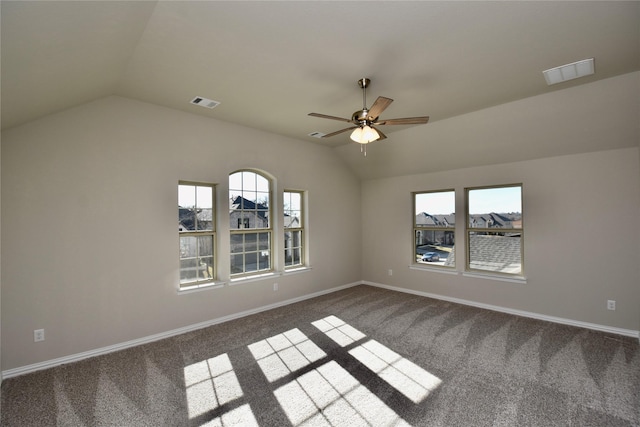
x,y
269,64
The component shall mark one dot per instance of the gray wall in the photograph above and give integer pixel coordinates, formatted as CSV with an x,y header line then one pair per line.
x,y
89,246
580,236
89,214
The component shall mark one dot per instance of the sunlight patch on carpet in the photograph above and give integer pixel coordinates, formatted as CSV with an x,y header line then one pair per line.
x,y
282,354
400,373
210,384
240,417
339,331
330,396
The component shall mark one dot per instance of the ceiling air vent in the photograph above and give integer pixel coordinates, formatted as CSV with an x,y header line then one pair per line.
x,y
569,71
317,134
204,102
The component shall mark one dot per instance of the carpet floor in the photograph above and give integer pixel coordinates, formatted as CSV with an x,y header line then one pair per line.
x,y
361,356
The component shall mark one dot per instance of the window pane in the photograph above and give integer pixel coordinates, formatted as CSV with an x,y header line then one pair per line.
x,y
237,263
196,258
204,219
292,210
495,207
205,246
249,181
263,241
435,247
262,184
188,270
204,197
297,258
235,181
264,261
186,196
496,252
293,248
262,200
251,262
435,209
250,242
262,218
237,243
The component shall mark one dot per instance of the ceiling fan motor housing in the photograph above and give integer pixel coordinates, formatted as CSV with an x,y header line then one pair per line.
x,y
361,116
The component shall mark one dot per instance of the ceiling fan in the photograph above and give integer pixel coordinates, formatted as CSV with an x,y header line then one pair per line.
x,y
364,120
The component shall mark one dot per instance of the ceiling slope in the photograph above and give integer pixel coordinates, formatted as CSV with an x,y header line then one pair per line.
x,y
272,63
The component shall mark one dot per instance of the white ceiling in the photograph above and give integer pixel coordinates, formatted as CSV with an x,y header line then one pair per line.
x,y
272,63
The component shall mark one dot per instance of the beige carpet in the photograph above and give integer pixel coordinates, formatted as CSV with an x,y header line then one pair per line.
x,y
361,356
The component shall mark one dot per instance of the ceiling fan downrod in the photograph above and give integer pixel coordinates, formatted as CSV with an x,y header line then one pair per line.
x,y
361,116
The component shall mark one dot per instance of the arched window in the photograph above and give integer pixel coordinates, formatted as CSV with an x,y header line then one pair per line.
x,y
250,222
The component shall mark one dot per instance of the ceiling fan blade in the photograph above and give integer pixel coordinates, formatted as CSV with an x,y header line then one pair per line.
x,y
404,121
339,132
382,135
324,116
379,106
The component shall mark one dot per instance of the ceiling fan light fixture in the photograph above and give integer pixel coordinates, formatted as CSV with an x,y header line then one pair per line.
x,y
356,135
364,135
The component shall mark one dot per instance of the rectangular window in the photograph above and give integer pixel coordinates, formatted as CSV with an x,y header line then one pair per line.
x,y
250,223
434,228
196,228
494,229
293,229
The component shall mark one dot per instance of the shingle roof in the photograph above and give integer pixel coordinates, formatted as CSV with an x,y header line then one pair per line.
x,y
240,203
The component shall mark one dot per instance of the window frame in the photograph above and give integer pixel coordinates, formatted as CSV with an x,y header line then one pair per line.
x,y
205,281
514,230
444,229
301,229
244,273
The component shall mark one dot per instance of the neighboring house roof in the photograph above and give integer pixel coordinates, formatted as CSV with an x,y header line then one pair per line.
x,y
187,217
492,253
498,220
240,203
424,219
291,221
495,253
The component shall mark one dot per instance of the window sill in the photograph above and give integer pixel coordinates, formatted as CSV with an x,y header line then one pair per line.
x,y
254,277
444,270
512,279
201,287
296,270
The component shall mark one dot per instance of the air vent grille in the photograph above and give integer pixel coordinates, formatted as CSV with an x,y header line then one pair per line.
x,y
571,71
204,102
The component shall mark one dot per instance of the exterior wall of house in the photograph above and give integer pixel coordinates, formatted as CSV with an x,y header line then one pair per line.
x,y
580,236
89,215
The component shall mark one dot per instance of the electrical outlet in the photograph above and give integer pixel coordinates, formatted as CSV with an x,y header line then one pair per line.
x,y
611,305
275,287
390,272
38,335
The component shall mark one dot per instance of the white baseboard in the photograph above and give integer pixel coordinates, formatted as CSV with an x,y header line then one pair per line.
x,y
151,338
564,321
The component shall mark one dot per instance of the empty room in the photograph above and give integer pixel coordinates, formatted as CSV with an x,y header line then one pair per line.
x,y
301,213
